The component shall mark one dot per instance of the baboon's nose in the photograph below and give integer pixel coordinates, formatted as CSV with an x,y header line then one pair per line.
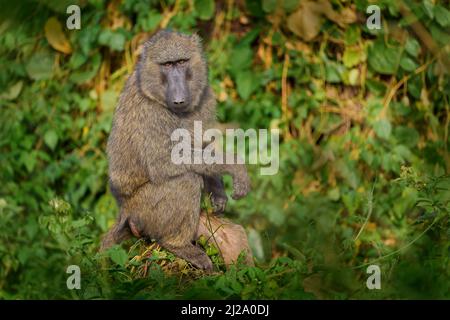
x,y
179,96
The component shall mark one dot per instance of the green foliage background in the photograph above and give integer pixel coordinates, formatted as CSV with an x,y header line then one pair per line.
x,y
364,162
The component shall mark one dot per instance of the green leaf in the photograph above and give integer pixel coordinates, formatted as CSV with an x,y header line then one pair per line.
x,y
407,136
202,241
439,35
290,5
205,9
28,159
212,250
334,194
383,59
377,87
348,171
256,244
80,77
109,99
77,59
254,7
104,37
353,76
40,65
415,86
241,58
51,139
250,36
408,64
383,129
352,35
13,91
151,21
353,56
412,46
334,72
118,255
269,5
442,15
428,8
352,201
87,38
117,41
245,84
403,152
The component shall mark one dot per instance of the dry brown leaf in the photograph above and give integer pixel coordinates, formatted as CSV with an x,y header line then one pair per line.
x,y
347,16
56,37
299,46
314,284
307,20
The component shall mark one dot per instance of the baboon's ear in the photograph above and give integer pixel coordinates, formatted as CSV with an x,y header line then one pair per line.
x,y
197,40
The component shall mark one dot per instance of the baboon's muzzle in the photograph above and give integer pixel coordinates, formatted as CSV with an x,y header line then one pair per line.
x,y
178,96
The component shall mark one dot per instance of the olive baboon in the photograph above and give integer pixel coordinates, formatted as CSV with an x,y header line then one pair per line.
x,y
158,199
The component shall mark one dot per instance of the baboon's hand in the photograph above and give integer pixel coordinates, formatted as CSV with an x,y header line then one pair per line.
x,y
241,183
213,185
219,202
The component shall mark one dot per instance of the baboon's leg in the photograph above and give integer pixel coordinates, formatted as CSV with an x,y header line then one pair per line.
x,y
169,213
179,238
177,234
119,232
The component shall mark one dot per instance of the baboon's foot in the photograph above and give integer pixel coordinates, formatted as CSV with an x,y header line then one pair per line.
x,y
193,254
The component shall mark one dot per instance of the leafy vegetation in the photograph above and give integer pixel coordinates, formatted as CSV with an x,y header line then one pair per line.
x,y
364,116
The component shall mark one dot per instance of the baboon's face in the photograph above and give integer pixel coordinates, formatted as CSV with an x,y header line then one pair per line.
x,y
173,72
175,77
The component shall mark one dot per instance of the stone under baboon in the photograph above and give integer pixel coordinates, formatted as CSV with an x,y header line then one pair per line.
x,y
158,199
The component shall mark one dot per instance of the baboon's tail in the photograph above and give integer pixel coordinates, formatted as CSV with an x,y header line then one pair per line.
x,y
119,232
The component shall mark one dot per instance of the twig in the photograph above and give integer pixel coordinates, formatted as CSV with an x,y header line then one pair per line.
x,y
394,89
284,95
369,213
398,250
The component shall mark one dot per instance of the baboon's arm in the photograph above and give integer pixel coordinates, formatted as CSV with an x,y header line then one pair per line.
x,y
241,181
160,168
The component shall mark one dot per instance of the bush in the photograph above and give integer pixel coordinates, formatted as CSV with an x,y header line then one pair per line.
x,y
364,116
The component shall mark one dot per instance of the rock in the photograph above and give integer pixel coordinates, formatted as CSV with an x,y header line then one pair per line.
x,y
229,237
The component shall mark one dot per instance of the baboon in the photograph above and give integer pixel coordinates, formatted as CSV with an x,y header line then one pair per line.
x,y
158,199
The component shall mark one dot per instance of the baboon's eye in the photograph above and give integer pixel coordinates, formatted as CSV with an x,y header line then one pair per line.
x,y
174,63
181,62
